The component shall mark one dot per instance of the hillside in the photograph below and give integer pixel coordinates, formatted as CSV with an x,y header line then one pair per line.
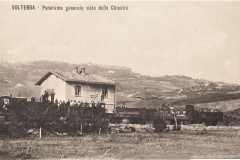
x,y
138,90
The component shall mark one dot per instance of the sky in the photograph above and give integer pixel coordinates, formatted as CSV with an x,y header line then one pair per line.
x,y
197,39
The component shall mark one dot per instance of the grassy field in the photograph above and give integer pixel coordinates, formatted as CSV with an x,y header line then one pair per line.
x,y
216,143
223,106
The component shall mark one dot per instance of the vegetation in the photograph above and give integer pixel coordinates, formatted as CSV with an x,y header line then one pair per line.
x,y
219,143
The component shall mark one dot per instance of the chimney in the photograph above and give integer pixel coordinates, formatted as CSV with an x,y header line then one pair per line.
x,y
82,72
75,70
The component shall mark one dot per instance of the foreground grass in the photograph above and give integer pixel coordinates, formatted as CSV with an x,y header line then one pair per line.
x,y
171,145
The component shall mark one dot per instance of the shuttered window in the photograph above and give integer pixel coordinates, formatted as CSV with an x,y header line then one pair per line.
x,y
77,90
105,92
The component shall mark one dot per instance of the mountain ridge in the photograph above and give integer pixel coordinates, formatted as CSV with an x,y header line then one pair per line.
x,y
20,78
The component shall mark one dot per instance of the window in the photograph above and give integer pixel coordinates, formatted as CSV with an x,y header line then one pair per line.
x,y
105,92
77,90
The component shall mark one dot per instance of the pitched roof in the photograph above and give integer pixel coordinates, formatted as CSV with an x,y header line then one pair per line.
x,y
72,77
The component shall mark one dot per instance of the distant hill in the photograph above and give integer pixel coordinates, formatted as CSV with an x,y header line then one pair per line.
x,y
132,88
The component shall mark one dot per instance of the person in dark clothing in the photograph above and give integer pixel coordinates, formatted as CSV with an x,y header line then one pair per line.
x,y
68,102
102,97
45,96
123,107
93,104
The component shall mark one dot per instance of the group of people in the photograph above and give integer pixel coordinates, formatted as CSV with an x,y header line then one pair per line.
x,y
71,109
74,103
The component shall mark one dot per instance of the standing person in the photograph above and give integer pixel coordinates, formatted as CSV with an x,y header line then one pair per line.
x,y
68,102
65,108
45,96
71,103
102,97
78,104
59,103
93,104
172,111
68,108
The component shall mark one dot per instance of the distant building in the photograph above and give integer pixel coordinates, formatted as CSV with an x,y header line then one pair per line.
x,y
79,86
111,72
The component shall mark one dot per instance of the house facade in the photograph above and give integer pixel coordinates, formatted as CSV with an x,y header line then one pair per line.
x,y
78,86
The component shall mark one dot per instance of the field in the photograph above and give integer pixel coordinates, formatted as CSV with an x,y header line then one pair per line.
x,y
224,106
213,142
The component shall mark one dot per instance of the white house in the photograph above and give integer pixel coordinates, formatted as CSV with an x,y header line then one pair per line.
x,y
79,86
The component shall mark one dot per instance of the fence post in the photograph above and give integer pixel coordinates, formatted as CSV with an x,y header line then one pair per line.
x,y
40,132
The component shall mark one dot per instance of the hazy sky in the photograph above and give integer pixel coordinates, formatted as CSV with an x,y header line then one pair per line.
x,y
198,39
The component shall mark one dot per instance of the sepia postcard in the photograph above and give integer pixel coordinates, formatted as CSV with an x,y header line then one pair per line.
x,y
119,79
